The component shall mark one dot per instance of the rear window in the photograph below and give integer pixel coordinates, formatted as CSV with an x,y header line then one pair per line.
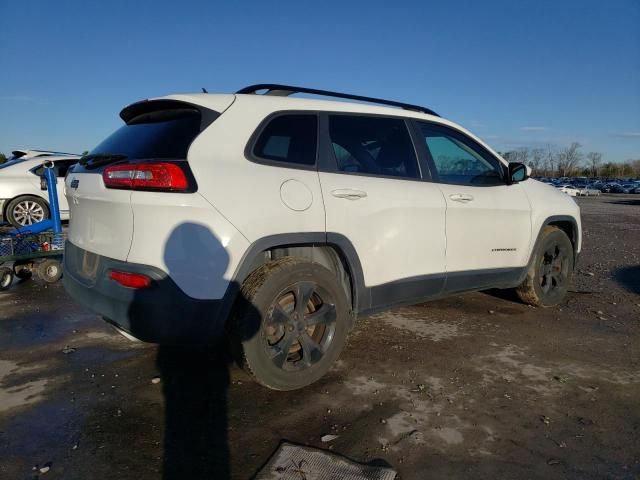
x,y
158,134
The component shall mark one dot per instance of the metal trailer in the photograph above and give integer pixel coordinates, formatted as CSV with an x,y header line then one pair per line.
x,y
38,247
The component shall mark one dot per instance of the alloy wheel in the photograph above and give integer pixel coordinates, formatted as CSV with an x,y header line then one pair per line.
x,y
300,326
554,268
28,212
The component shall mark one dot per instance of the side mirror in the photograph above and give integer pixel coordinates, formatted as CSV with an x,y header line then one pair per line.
x,y
518,172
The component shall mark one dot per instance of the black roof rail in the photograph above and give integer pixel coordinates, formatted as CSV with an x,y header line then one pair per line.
x,y
286,90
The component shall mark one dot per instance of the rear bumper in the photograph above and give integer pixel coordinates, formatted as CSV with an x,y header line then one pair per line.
x,y
161,313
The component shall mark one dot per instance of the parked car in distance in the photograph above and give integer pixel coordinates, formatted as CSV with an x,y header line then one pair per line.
x,y
590,191
278,220
568,189
614,188
22,201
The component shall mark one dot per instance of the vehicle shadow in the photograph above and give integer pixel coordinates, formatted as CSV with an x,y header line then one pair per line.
x,y
627,201
195,379
508,294
628,278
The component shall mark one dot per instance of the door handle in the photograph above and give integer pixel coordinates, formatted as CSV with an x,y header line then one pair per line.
x,y
461,197
348,193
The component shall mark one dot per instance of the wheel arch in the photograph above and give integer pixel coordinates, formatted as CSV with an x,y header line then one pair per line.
x,y
333,251
566,223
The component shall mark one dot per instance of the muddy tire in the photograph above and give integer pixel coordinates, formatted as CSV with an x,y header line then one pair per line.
x,y
50,270
26,210
6,278
550,270
290,323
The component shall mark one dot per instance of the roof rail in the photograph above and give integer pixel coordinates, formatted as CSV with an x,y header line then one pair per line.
x,y
286,90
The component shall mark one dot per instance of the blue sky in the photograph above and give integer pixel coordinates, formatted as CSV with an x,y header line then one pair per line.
x,y
517,73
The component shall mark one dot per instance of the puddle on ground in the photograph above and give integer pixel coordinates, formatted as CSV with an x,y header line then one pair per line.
x,y
18,394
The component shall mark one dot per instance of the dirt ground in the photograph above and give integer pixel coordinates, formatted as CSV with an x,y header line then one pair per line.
x,y
474,386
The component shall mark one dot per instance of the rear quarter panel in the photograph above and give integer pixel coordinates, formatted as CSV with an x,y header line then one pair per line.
x,y
248,194
183,235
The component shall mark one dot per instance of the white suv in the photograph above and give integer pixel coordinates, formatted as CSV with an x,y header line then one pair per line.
x,y
278,220
22,201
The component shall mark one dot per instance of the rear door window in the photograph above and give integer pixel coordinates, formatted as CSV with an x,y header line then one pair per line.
x,y
373,146
290,139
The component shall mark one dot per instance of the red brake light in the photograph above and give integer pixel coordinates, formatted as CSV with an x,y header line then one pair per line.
x,y
130,280
153,176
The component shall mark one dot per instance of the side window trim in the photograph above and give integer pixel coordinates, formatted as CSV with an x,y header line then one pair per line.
x,y
328,162
253,139
427,166
464,138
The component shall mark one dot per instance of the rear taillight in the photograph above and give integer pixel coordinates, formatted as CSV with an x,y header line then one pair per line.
x,y
130,280
146,176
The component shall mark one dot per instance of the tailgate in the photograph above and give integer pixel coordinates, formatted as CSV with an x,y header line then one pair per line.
x,y
101,218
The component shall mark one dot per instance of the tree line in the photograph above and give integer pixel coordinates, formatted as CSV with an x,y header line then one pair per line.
x,y
570,161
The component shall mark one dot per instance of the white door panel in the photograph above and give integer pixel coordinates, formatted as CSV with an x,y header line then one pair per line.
x,y
396,226
63,205
488,221
487,227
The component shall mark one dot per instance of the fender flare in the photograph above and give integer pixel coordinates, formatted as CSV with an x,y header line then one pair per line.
x,y
341,244
549,221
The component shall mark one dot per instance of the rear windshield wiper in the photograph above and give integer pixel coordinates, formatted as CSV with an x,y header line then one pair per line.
x,y
97,159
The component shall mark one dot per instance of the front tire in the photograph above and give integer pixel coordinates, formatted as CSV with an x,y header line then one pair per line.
x,y
290,323
550,271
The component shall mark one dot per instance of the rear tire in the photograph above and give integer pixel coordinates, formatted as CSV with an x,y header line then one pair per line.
x,y
290,323
6,278
550,270
50,270
26,210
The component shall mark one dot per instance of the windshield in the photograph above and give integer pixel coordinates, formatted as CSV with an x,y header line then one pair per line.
x,y
166,136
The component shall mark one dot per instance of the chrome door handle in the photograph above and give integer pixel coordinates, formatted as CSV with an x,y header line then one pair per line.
x,y
461,197
348,193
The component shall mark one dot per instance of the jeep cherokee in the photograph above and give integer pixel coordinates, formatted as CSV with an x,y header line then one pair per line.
x,y
276,221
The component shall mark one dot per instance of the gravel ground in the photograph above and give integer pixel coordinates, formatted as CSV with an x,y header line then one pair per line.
x,y
474,386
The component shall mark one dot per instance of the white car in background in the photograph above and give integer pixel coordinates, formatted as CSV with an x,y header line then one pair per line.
x,y
590,192
22,201
569,190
